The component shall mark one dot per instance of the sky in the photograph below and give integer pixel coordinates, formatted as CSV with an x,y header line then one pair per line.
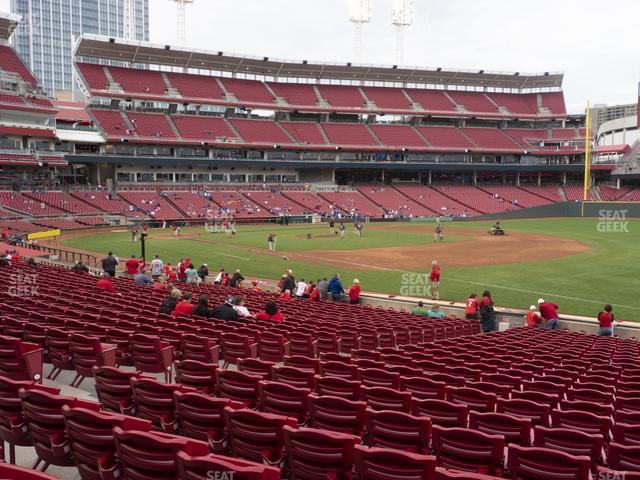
x,y
594,43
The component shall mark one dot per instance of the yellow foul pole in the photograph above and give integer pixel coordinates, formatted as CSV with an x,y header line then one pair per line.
x,y
587,153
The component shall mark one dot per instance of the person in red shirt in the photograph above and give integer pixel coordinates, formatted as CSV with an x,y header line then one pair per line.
x,y
105,284
160,284
308,290
184,306
270,313
172,276
605,320
487,313
315,294
354,292
225,280
286,296
132,266
168,268
434,280
471,307
254,287
182,269
549,311
533,317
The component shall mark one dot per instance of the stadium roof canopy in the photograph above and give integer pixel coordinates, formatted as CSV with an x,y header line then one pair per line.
x,y
132,51
8,23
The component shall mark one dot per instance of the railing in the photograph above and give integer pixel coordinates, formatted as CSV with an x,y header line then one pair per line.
x,y
66,256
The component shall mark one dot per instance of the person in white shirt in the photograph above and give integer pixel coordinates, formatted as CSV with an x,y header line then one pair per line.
x,y
156,266
302,286
219,276
240,308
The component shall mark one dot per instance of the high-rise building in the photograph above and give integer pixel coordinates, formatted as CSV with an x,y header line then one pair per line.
x,y
44,38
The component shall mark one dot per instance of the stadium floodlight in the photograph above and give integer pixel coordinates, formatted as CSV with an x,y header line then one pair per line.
x,y
359,14
402,13
181,21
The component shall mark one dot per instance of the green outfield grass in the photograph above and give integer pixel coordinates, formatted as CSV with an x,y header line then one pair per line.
x,y
580,284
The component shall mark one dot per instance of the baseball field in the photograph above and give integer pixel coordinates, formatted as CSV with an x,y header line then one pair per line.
x,y
580,264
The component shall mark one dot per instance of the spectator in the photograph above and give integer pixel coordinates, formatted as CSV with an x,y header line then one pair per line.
x,y
184,306
290,282
132,266
240,308
335,288
218,279
435,312
169,305
533,317
420,310
156,266
192,274
309,289
323,288
105,284
161,284
203,272
270,313
300,288
226,310
110,264
354,292
172,276
79,267
471,308
254,287
225,279
141,278
605,321
202,308
434,280
549,311
316,296
286,296
236,279
487,312
280,285
182,269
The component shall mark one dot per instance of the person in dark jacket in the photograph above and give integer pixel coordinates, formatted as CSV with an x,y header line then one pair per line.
x,y
203,271
79,267
110,264
335,288
487,313
290,282
226,311
202,309
236,279
169,305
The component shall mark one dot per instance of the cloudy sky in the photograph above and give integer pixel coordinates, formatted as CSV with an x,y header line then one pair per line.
x,y
594,43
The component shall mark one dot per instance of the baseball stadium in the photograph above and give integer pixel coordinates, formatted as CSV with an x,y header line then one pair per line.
x,y
227,266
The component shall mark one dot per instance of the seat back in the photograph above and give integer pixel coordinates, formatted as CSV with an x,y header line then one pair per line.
x,y
339,369
303,362
151,354
423,387
623,457
374,377
198,375
578,420
468,450
441,412
235,346
199,347
546,464
256,436
86,353
256,367
20,360
303,344
283,399
293,376
337,387
238,386
513,429
569,441
113,387
336,414
478,400
272,347
200,416
90,436
397,430
381,398
383,463
154,402
538,413
314,454
145,455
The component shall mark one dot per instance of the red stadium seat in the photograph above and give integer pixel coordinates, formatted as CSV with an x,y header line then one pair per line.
x,y
238,386
261,368
475,399
382,398
87,352
210,466
570,441
423,387
513,429
441,412
235,346
154,402
293,376
283,399
533,463
397,430
468,450
336,414
583,421
151,355
337,387
14,472
383,463
114,390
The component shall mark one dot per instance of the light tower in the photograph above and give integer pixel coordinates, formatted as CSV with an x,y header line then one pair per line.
x,y
401,16
181,21
359,14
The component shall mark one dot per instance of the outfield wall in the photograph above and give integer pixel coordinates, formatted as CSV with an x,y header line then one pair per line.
x,y
593,209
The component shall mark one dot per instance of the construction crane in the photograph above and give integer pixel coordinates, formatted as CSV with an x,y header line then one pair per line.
x,y
181,21
359,14
402,14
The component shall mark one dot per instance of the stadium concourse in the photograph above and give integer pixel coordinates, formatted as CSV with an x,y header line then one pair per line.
x,y
97,384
